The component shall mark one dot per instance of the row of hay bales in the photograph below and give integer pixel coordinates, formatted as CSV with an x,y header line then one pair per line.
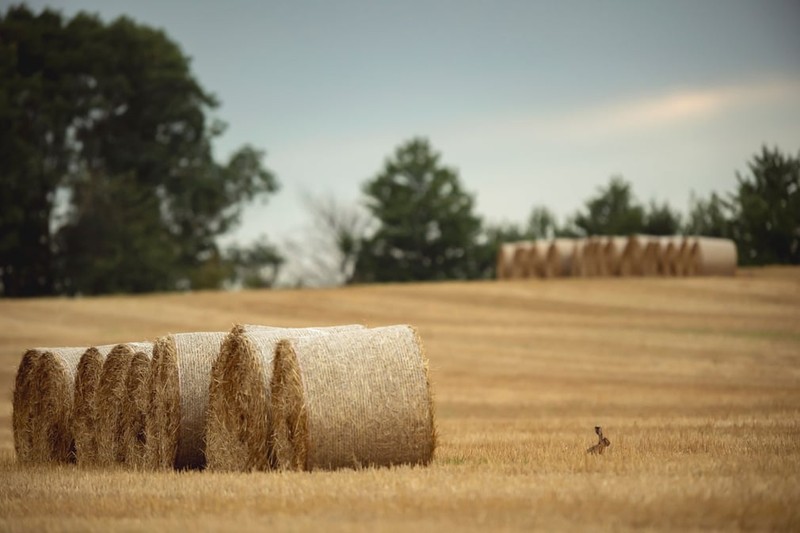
x,y
636,255
255,398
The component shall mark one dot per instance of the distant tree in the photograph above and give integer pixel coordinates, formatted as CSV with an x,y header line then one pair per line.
x,y
661,220
256,266
613,211
542,223
767,204
711,217
426,227
109,118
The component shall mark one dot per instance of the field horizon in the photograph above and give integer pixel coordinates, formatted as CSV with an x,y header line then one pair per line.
x,y
695,381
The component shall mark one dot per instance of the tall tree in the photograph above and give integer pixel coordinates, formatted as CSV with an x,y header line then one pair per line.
x,y
767,203
426,228
110,118
711,217
613,211
661,220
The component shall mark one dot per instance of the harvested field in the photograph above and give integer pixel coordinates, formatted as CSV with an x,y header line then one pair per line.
x,y
695,381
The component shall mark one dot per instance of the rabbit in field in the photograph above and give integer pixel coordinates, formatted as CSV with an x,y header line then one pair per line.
x,y
602,444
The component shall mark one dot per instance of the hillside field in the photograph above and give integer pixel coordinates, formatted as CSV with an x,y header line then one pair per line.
x,y
696,382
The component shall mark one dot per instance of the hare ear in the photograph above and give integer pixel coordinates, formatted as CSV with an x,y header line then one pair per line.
x,y
599,431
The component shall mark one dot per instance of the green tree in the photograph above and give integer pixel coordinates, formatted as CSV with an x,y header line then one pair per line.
x,y
613,211
711,217
542,223
767,205
426,228
661,220
256,266
110,118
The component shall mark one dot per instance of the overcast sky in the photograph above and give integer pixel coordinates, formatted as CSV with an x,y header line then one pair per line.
x,y
532,102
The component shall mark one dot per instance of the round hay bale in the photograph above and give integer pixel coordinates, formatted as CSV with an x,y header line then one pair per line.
x,y
108,401
537,259
505,260
650,258
521,264
559,258
240,420
613,248
84,418
667,256
134,409
52,380
176,414
710,256
578,266
22,402
631,261
359,398
592,257
684,260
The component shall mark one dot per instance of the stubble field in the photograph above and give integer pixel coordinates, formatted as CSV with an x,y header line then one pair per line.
x,y
696,382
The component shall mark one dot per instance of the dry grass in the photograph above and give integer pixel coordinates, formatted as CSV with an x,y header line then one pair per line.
x,y
695,381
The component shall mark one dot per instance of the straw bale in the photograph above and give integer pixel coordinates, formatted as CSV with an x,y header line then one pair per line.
x,y
559,257
683,267
176,414
505,260
650,257
352,399
522,267
613,248
84,419
667,257
240,420
52,381
711,256
537,257
108,401
26,408
134,409
578,266
592,257
631,261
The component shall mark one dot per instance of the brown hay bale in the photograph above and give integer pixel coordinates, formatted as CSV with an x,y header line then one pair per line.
x,y
537,259
592,258
631,261
683,262
53,380
84,417
108,401
359,398
578,266
710,256
134,409
34,398
240,420
613,248
651,257
560,257
178,391
505,260
667,256
520,264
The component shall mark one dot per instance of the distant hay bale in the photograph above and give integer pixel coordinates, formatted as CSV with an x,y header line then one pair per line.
x,y
134,410
178,399
650,257
505,260
684,267
522,266
668,256
613,249
710,256
560,257
108,402
51,393
631,261
359,398
592,258
84,417
240,419
578,266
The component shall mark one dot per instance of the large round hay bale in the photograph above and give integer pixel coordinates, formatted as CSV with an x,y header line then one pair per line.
x,y
176,414
560,257
710,256
505,260
22,403
84,417
52,380
578,266
521,266
684,265
631,261
134,410
359,398
240,420
613,248
108,401
667,257
651,257
592,257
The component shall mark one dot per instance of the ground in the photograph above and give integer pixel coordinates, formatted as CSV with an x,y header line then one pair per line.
x,y
696,382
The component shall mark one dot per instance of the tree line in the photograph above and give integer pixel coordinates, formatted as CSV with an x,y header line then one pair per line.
x,y
109,184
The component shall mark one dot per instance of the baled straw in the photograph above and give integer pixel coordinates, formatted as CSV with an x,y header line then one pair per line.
x,y
684,258
578,266
560,256
711,256
651,257
42,405
521,264
240,420
176,414
134,409
505,260
538,259
668,256
631,262
613,248
359,398
592,258
84,418
108,401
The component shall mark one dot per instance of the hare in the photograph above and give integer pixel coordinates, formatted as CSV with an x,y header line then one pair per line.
x,y
603,443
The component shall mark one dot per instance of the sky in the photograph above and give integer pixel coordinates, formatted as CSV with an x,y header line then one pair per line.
x,y
533,103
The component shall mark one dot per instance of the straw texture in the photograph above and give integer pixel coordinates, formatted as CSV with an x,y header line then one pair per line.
x,y
134,410
84,419
52,399
108,400
523,266
353,399
505,260
713,257
175,420
240,420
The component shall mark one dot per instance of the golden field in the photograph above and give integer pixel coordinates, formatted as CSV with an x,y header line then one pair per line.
x,y
696,382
